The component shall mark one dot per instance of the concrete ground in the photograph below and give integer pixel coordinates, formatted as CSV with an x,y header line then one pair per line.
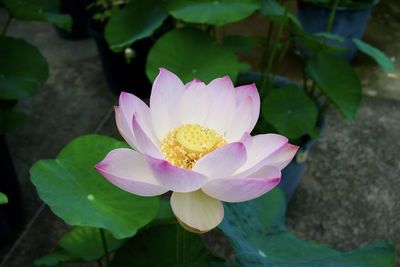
x,y
348,196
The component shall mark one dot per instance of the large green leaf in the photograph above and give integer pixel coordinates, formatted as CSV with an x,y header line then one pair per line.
x,y
273,10
3,199
192,54
80,244
80,196
329,36
337,80
315,43
290,111
376,54
241,44
156,246
56,258
165,213
213,12
85,243
38,10
10,119
213,264
139,19
22,68
259,237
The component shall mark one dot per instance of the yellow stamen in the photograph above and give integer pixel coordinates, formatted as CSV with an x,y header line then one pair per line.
x,y
185,145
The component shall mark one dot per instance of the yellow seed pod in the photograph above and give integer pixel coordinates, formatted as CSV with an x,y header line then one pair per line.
x,y
196,138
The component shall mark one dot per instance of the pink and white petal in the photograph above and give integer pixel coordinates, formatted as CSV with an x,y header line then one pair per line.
x,y
125,128
165,97
223,161
222,104
128,170
144,143
194,83
242,121
282,157
262,146
246,139
130,105
194,103
175,178
250,90
197,210
243,188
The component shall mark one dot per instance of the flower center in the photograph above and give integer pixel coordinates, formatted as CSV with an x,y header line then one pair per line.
x,y
185,145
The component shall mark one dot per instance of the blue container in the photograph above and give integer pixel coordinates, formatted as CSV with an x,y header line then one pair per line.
x,y
292,173
349,23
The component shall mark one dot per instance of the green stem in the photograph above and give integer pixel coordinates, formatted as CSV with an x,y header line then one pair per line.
x,y
105,248
332,16
269,34
305,86
8,22
180,245
284,51
283,54
265,51
275,45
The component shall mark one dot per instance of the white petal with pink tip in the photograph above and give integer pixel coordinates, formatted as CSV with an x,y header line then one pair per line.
x,y
195,102
222,105
222,162
241,122
245,91
197,210
244,188
282,157
165,97
125,128
175,178
261,147
128,170
143,142
130,105
195,141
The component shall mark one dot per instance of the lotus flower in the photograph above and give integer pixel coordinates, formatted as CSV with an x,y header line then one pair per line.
x,y
195,141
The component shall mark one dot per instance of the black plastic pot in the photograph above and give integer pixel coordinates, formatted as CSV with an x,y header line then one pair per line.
x,y
292,173
11,214
77,9
121,75
349,23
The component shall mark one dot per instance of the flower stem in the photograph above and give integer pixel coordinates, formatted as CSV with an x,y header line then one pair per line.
x,y
180,245
265,51
275,44
332,16
104,242
8,22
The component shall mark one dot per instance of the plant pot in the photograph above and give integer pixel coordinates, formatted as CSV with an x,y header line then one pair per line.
x,y
293,172
348,22
11,214
121,75
77,9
